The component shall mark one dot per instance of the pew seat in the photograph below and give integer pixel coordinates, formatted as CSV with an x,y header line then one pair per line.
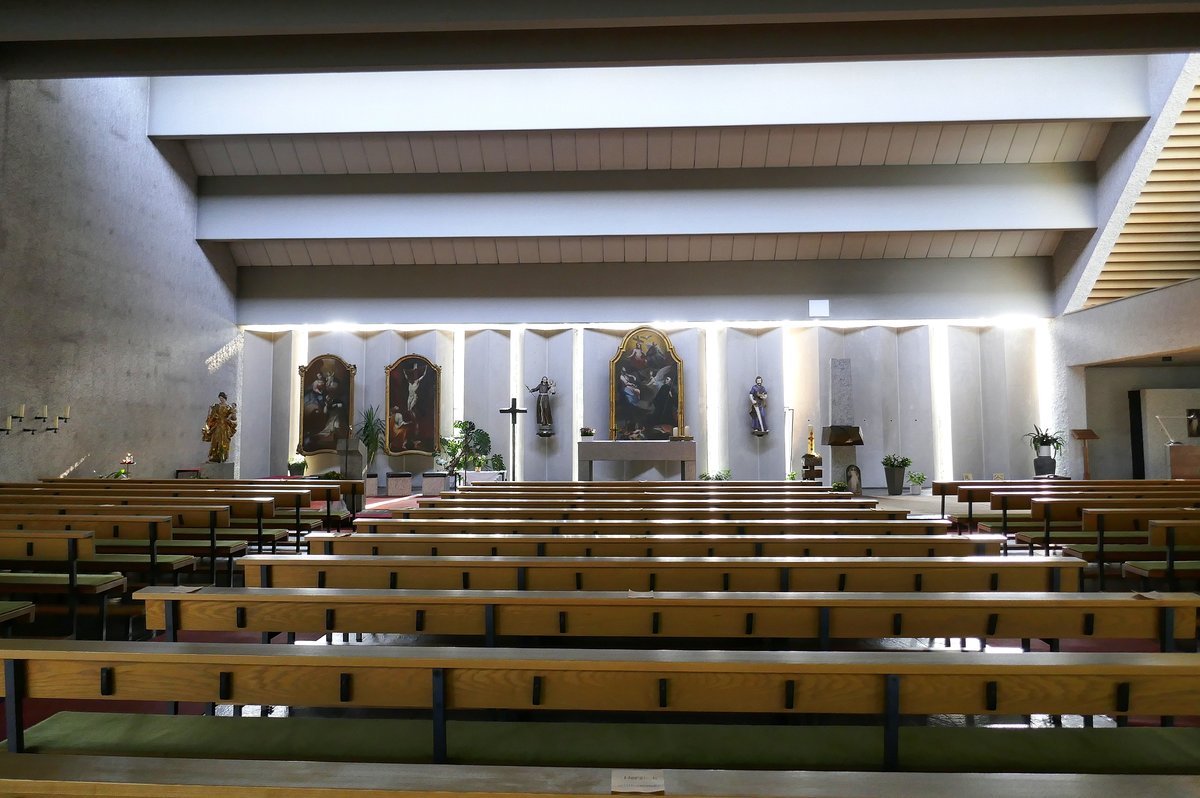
x,y
611,708
123,777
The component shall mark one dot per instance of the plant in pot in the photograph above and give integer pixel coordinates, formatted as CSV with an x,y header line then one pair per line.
x,y
371,432
916,480
469,448
893,472
1046,445
297,465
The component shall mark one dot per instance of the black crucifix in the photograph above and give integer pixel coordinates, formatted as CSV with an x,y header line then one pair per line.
x,y
512,410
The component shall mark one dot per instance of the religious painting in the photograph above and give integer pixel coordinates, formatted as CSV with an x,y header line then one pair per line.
x,y
645,399
412,399
327,403
1193,423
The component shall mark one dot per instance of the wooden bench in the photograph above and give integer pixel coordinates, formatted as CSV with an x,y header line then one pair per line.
x,y
477,545
467,504
48,564
183,517
652,513
556,526
451,687
329,492
1171,547
1014,572
163,777
971,491
823,617
14,612
1009,502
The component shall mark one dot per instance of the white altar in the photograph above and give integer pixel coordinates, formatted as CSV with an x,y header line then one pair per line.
x,y
682,452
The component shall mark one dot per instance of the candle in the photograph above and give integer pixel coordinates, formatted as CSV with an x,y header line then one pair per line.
x,y
45,412
66,412
53,425
674,432
20,411
687,432
7,423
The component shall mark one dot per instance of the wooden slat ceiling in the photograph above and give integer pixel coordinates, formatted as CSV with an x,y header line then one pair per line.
x,y
1160,242
646,249
659,148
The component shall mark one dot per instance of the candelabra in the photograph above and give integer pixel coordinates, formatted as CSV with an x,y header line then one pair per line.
x,y
48,423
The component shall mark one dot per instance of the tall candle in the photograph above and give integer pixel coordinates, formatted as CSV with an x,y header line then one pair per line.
x,y
20,411
45,412
687,432
7,422
66,412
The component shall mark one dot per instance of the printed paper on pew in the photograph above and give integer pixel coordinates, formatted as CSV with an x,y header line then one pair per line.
x,y
1147,594
641,782
181,588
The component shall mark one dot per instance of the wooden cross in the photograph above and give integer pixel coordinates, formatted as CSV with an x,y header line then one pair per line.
x,y
512,410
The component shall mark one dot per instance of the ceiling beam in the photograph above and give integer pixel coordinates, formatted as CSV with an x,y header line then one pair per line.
x,y
729,38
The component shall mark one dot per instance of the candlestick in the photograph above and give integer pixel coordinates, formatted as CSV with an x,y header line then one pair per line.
x,y
20,411
66,413
44,414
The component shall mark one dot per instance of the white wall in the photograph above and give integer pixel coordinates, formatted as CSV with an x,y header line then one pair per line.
x,y
1171,405
1108,390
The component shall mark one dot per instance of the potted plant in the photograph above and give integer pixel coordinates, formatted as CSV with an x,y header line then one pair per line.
x,y
893,472
838,486
1046,445
916,480
297,465
371,433
469,448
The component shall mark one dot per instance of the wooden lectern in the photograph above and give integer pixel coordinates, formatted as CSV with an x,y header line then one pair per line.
x,y
1085,435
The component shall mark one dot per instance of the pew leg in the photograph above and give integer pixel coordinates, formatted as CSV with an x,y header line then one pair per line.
x,y
291,638
173,708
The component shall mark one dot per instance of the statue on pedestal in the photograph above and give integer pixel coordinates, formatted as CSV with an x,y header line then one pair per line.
x,y
219,428
758,407
545,419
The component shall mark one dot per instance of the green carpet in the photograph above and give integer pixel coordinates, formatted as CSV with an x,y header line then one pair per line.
x,y
922,748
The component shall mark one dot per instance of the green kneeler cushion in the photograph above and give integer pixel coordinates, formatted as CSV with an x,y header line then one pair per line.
x,y
922,748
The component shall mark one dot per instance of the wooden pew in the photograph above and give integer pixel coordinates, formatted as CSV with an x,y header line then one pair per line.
x,y
970,491
185,513
1179,544
465,505
55,557
451,686
1064,509
554,526
14,612
1009,501
874,574
482,545
648,513
166,777
824,617
328,491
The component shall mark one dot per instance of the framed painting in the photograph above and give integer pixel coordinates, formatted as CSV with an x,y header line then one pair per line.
x,y
327,403
645,395
413,392
1193,423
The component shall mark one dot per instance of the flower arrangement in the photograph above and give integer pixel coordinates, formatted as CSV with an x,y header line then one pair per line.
x,y
896,461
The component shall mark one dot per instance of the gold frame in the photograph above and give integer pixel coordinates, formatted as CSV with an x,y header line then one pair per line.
x,y
351,370
437,400
634,339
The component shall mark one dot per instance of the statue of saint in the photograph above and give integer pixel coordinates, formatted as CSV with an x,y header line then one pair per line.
x,y
545,419
219,428
758,407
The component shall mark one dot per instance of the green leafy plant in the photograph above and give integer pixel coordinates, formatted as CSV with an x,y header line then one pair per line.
x,y
916,478
1044,437
333,474
838,486
723,474
496,463
371,431
791,476
896,461
469,448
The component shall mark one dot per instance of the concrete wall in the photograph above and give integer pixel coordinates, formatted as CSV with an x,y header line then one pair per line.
x,y
1170,405
117,310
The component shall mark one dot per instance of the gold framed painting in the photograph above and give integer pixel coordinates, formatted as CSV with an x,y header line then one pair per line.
x,y
413,397
645,387
327,403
